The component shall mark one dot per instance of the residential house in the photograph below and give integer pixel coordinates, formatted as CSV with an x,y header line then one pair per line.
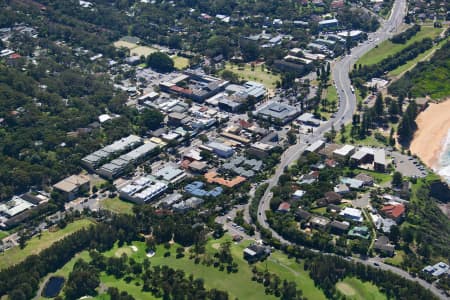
x,y
383,245
394,211
319,222
284,207
366,179
352,214
360,232
338,227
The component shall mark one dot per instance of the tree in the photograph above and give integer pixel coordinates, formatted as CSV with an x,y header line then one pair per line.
x,y
379,106
160,61
292,137
394,234
397,179
230,76
151,119
391,137
83,280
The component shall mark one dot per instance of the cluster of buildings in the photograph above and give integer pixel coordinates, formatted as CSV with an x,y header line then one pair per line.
x,y
20,208
134,150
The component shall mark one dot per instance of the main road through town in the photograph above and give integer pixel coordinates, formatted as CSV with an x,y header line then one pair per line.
x,y
347,105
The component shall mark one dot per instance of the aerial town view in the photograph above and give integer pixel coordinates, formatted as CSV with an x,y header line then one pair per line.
x,y
224,149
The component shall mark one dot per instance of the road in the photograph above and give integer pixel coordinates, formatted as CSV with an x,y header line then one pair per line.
x,y
347,106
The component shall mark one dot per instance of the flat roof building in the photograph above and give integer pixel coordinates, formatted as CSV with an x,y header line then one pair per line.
x,y
276,112
344,151
143,189
221,149
72,186
170,173
316,146
352,214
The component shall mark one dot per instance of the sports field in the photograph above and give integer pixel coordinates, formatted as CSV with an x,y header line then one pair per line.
x,y
135,49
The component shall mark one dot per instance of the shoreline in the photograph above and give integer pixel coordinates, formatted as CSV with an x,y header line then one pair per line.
x,y
433,128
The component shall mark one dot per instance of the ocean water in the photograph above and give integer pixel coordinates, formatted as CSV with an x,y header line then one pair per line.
x,y
443,167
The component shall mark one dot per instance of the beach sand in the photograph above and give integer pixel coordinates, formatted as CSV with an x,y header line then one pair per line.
x,y
433,126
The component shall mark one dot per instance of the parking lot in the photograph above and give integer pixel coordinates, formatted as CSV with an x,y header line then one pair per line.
x,y
408,165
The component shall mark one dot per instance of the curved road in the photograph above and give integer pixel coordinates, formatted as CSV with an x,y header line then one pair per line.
x,y
347,106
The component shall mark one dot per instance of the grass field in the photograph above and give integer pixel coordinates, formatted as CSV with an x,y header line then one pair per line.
x,y
378,177
118,206
354,288
180,62
135,49
265,77
423,56
36,245
238,285
369,140
388,48
3,234
397,259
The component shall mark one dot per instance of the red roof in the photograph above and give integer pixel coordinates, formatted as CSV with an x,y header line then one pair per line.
x,y
15,56
393,210
244,124
180,90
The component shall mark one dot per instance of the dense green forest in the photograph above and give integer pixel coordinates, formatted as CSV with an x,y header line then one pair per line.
x,y
427,78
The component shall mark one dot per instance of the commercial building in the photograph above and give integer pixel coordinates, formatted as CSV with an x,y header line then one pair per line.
x,y
344,152
326,24
143,189
95,159
260,149
119,165
194,85
188,204
221,149
316,146
308,119
170,173
72,186
196,188
277,113
379,162
363,155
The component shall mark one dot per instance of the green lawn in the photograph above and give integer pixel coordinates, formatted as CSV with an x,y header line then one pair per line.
x,y
354,288
379,177
36,245
239,285
3,234
397,259
388,48
180,62
369,140
118,206
423,56
265,77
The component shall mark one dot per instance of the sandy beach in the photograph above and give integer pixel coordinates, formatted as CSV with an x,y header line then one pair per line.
x,y
433,126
